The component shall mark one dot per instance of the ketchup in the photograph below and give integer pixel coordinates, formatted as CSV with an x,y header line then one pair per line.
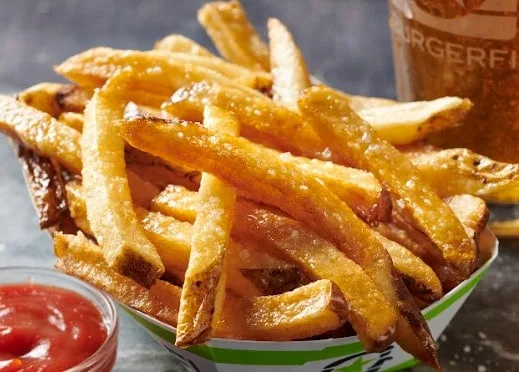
x,y
45,328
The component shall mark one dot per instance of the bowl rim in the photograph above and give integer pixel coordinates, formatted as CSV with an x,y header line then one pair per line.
x,y
107,303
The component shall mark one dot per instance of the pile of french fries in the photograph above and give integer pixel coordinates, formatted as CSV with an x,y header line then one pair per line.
x,y
231,197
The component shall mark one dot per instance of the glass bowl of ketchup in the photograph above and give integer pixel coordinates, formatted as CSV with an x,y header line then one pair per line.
x,y
50,322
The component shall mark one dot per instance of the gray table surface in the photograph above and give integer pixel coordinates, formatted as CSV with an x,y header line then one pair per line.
x,y
346,43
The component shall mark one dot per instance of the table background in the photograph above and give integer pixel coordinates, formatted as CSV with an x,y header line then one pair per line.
x,y
346,43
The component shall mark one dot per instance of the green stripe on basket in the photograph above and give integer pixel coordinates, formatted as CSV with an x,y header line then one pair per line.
x,y
455,296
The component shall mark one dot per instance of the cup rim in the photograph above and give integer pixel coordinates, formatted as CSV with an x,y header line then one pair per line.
x,y
105,302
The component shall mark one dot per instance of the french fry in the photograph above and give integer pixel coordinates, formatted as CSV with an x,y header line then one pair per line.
x,y
373,319
287,64
44,181
505,229
172,238
181,203
360,189
246,166
461,171
420,278
312,309
262,120
471,211
72,120
94,66
359,103
176,201
109,205
203,291
181,44
41,132
353,138
42,96
78,256
506,196
407,122
229,28
305,312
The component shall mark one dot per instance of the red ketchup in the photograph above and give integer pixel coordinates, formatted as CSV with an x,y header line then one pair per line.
x,y
45,328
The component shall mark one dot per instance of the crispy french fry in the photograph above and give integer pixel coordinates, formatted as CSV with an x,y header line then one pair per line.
x,y
505,229
305,312
72,120
172,238
408,122
176,201
358,188
506,196
42,96
353,138
309,310
80,257
203,291
94,66
41,133
461,171
45,185
287,65
471,211
269,180
359,103
420,278
373,319
262,120
109,205
181,44
228,26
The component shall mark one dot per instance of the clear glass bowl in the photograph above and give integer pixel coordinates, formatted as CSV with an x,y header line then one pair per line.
x,y
103,359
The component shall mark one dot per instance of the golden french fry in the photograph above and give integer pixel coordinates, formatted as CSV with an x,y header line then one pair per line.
x,y
181,44
176,201
505,229
407,122
203,291
45,186
312,309
420,278
359,103
461,171
109,205
94,66
72,120
506,196
305,312
356,141
41,132
229,28
373,319
269,180
471,211
80,257
287,65
42,96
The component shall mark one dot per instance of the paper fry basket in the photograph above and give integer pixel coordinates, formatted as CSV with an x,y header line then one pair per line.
x,y
338,354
